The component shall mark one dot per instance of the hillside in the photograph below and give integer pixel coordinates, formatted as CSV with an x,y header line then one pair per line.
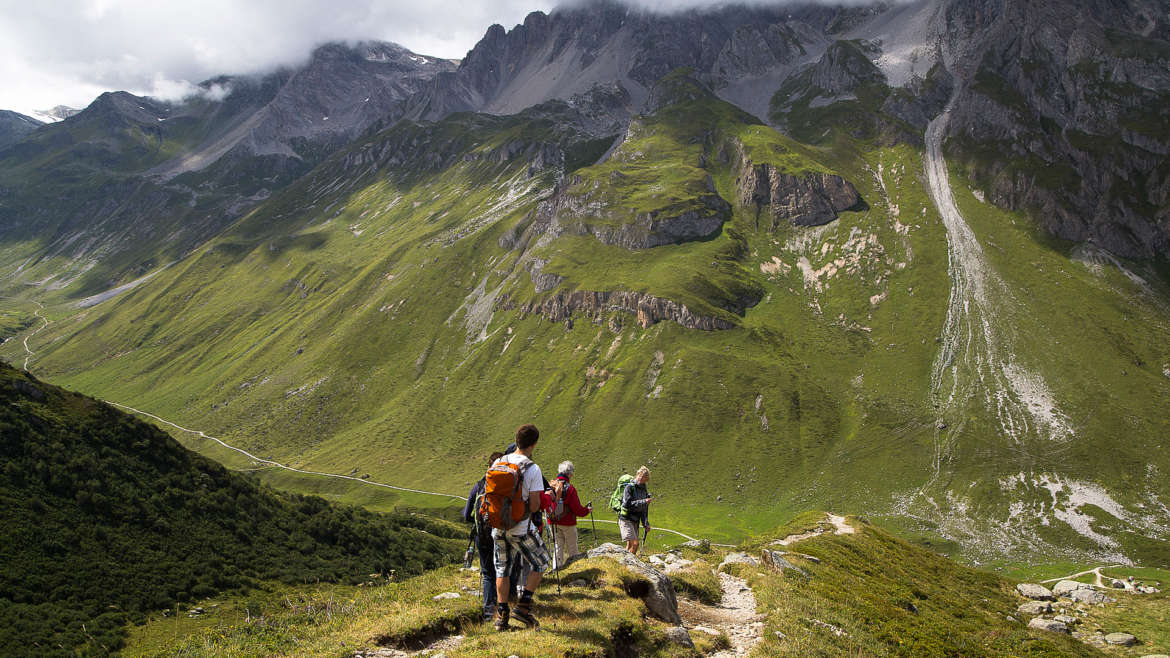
x,y
106,519
862,593
812,295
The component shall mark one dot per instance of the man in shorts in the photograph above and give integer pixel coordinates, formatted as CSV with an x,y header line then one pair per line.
x,y
521,542
635,509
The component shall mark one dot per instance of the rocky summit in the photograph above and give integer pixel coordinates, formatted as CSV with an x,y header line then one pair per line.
x,y
907,260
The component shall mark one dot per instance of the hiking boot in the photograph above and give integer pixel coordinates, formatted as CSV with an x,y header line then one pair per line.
x,y
523,614
501,618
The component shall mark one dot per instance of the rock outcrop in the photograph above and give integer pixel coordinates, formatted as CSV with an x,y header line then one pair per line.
x,y
648,309
582,208
656,591
811,200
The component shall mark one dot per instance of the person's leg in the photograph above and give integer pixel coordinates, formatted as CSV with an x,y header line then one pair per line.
x,y
504,563
487,569
570,541
533,552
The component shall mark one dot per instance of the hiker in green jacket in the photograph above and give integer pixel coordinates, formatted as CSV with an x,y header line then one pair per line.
x,y
635,509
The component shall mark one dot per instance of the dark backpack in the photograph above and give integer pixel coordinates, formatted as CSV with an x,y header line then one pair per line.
x,y
483,526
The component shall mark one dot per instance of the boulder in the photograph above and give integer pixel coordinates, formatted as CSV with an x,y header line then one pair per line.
x,y
1035,592
679,635
1067,620
1042,624
1035,608
658,592
701,545
1067,587
1121,639
775,560
1089,596
738,558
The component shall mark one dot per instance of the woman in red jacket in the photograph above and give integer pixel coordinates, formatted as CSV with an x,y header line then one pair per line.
x,y
565,524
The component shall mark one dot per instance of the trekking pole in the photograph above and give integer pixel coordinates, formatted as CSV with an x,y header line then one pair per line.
x,y
645,532
556,563
594,527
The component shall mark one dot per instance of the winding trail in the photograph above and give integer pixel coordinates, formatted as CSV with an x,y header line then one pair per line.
x,y
976,359
1096,571
338,476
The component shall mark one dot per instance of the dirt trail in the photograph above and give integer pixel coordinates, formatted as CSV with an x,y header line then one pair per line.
x,y
40,307
976,359
1100,577
840,527
735,615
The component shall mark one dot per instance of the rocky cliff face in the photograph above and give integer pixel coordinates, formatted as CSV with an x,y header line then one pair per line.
x,y
574,49
809,199
1060,114
182,172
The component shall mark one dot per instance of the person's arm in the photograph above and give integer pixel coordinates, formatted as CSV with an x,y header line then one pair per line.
x,y
533,482
574,502
468,509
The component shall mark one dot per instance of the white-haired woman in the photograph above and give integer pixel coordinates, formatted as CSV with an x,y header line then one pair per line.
x,y
635,509
566,509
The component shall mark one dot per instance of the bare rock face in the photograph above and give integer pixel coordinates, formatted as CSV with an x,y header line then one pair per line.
x,y
812,199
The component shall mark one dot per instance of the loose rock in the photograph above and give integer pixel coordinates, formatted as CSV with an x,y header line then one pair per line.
x,y
679,635
1067,587
738,558
1091,596
1035,592
1042,624
445,595
1035,608
1121,639
1067,620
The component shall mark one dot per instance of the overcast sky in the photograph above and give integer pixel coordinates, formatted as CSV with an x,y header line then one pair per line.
x,y
66,52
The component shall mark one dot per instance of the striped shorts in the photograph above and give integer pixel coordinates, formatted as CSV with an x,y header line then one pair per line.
x,y
509,548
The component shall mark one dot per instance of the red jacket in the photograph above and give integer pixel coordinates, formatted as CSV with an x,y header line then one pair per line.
x,y
573,507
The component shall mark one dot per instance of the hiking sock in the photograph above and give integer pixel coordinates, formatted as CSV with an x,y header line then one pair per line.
x,y
526,598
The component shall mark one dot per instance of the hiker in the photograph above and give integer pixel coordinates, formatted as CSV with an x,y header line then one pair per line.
x,y
635,509
520,576
566,509
481,536
520,544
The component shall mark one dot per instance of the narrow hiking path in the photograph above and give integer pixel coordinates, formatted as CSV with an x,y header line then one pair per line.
x,y
1100,577
840,527
735,616
269,463
976,358
40,307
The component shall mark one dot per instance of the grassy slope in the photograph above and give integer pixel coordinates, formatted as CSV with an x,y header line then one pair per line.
x,y
889,598
106,518
331,329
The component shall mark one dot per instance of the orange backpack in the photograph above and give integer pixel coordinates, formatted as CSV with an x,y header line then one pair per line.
x,y
503,498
